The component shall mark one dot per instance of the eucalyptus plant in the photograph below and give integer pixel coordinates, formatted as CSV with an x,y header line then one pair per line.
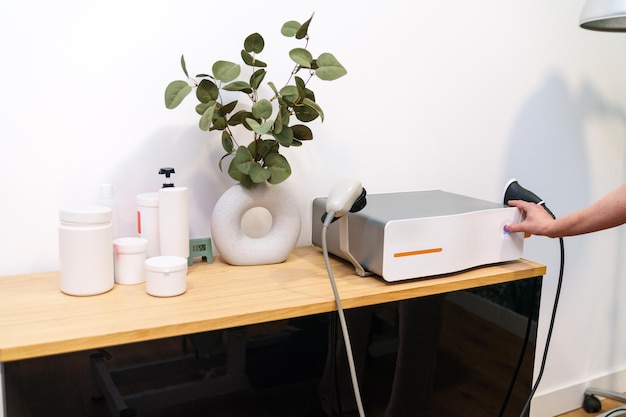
x,y
270,121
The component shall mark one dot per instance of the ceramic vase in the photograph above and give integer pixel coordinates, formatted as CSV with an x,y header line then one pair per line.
x,y
234,246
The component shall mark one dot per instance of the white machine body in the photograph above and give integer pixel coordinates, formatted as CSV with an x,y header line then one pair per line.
x,y
421,234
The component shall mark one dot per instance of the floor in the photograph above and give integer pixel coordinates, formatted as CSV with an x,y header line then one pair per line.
x,y
61,385
606,406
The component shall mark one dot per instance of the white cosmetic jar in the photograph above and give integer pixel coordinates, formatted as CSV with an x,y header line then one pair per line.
x,y
130,257
166,276
85,250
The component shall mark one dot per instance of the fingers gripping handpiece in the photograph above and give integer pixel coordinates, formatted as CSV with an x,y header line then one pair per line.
x,y
514,191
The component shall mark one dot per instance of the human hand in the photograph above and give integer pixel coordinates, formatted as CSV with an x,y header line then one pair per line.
x,y
536,220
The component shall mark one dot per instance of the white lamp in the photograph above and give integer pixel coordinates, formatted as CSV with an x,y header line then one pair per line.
x,y
604,15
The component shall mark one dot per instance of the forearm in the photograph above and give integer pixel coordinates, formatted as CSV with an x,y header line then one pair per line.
x,y
607,212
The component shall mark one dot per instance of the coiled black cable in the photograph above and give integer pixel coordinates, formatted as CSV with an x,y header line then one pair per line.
x,y
550,327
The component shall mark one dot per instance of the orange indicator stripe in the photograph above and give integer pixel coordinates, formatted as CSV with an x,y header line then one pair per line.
x,y
417,252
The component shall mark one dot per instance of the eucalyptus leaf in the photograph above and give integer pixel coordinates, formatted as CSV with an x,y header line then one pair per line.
x,y
234,172
245,167
329,68
290,28
302,132
227,108
254,43
265,147
285,136
227,142
262,108
239,117
257,78
207,118
278,123
226,71
242,160
301,57
253,124
219,123
311,104
262,128
303,30
251,60
258,174
246,182
273,87
300,84
242,86
175,93
289,92
285,112
305,113
207,91
278,167
184,65
201,107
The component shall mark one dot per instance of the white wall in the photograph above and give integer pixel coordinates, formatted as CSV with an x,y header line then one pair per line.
x,y
452,95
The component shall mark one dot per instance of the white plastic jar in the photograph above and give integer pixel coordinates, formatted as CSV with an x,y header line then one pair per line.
x,y
86,250
166,276
130,256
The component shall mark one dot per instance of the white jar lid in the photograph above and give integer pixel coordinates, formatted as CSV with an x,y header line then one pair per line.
x,y
147,199
166,264
92,214
130,244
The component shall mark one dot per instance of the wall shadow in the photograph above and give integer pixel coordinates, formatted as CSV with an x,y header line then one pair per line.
x,y
548,154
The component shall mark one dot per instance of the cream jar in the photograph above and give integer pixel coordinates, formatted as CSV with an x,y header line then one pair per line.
x,y
130,257
166,276
85,250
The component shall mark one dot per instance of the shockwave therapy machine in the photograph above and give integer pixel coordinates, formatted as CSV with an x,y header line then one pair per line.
x,y
419,234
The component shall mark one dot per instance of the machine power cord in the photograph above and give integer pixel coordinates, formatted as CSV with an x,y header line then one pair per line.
x,y
552,320
342,319
525,343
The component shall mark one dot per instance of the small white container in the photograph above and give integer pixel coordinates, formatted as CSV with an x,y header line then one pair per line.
x,y
130,257
166,276
148,221
85,250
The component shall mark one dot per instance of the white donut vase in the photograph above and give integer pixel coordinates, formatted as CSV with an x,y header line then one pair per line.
x,y
234,246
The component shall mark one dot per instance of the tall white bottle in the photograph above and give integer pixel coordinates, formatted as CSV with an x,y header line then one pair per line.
x,y
173,217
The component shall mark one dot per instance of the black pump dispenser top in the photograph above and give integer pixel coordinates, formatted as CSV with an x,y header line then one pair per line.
x,y
167,171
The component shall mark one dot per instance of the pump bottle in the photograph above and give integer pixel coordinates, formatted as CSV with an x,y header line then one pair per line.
x,y
173,217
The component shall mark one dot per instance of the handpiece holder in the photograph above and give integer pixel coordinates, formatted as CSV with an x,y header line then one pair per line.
x,y
344,246
346,196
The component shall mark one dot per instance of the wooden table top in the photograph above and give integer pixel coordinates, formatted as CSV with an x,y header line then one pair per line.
x,y
37,319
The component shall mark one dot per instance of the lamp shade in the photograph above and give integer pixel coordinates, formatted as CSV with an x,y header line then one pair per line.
x,y
604,15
